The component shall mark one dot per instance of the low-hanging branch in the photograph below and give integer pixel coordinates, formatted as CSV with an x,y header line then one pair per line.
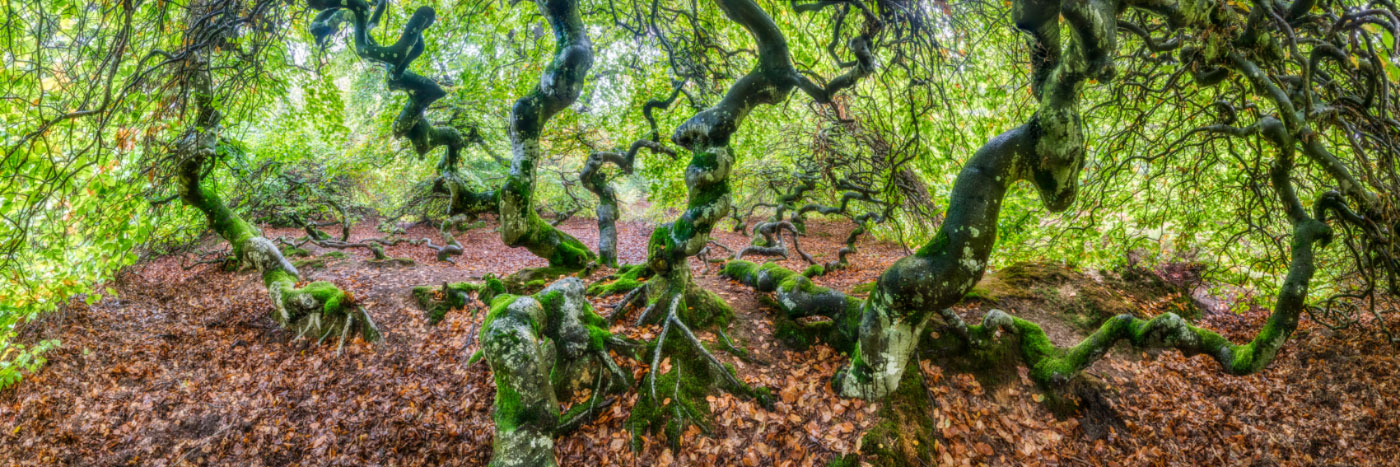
x,y
318,309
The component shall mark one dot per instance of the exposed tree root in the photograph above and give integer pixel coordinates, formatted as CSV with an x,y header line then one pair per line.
x,y
628,278
798,297
436,301
529,280
682,370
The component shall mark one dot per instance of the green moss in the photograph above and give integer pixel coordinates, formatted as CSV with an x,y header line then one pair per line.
x,y
530,280
980,293
466,226
336,255
570,254
499,304
776,272
936,246
739,270
294,252
391,262
681,391
863,288
792,334
704,308
904,433
509,412
814,270
627,278
309,263
848,460
453,296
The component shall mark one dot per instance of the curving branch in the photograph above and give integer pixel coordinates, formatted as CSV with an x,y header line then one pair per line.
x,y
1048,151
318,309
596,181
422,91
558,88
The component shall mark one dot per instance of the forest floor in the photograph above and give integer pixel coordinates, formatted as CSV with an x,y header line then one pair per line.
x,y
186,367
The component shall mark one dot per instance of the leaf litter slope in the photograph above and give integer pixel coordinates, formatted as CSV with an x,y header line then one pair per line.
x,y
185,368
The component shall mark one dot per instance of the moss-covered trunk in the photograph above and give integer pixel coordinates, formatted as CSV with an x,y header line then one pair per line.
x,y
541,349
559,87
1048,151
319,309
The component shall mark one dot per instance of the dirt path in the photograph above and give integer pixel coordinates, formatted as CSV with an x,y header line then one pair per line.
x,y
186,368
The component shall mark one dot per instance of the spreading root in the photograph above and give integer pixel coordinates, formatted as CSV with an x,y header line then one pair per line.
x,y
627,279
810,312
681,369
319,310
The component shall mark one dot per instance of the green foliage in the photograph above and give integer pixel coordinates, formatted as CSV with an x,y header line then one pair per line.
x,y
17,359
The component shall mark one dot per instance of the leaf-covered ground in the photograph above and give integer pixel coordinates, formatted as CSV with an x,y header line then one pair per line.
x,y
185,367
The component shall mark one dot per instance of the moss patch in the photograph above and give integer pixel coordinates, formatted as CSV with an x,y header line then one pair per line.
x,y
627,278
904,434
309,263
294,252
436,301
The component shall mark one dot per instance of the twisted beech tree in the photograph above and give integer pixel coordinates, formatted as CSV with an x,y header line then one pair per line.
x,y
558,89
673,397
1308,85
318,309
521,225
596,181
1072,43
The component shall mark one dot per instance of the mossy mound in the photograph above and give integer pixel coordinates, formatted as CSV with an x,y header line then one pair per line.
x,y
1080,299
681,390
294,252
436,301
530,280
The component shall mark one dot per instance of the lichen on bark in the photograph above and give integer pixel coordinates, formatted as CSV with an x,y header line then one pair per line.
x,y
541,349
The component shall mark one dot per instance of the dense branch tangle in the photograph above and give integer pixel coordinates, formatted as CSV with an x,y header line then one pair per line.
x,y
1049,151
558,88
422,91
674,397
